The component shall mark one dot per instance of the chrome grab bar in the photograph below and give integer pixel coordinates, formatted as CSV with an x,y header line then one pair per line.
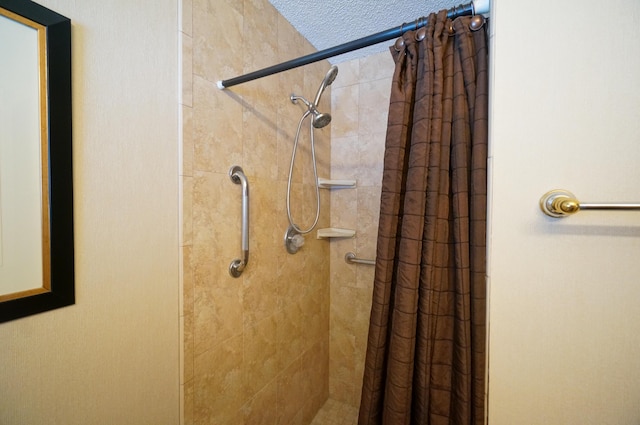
x,y
238,265
351,258
562,203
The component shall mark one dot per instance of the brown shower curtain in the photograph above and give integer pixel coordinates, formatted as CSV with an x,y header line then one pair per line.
x,y
425,361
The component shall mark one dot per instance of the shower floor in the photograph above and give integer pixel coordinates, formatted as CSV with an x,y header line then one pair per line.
x,y
336,413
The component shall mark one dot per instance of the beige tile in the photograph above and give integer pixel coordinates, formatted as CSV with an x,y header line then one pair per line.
x,y
344,208
325,212
290,330
261,409
315,326
217,308
368,218
323,152
188,396
187,280
348,74
260,297
265,237
218,384
342,273
303,207
345,157
260,279
315,371
345,111
372,114
365,274
288,119
217,37
318,261
187,141
217,296
260,142
370,159
362,297
260,353
217,122
335,412
341,391
341,353
259,51
289,398
290,280
188,348
303,167
310,204
377,66
359,376
291,43
216,221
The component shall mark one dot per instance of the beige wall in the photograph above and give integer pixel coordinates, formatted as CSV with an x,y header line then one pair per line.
x,y
256,347
360,103
112,358
564,294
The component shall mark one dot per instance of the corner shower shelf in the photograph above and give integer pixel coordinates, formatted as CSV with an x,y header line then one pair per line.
x,y
328,183
334,232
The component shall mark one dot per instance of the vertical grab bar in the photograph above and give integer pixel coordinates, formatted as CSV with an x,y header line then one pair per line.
x,y
238,265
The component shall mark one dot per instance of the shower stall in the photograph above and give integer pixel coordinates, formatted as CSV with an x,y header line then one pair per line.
x,y
289,336
258,349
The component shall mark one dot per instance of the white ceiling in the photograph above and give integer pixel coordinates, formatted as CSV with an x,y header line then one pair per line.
x,y
329,23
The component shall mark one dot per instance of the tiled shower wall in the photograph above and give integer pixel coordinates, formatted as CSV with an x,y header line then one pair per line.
x,y
360,103
255,349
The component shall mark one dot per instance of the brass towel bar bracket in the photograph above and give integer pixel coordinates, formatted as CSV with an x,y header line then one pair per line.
x,y
560,203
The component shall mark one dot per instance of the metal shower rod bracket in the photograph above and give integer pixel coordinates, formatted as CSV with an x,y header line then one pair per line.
x,y
475,7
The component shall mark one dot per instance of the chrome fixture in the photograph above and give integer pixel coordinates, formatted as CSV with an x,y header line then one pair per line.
x,y
293,240
238,265
351,258
318,120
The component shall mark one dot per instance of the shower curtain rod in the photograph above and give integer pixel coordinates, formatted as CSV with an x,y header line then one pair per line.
x,y
472,8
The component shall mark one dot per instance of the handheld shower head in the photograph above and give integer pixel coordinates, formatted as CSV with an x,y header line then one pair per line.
x,y
320,119
328,79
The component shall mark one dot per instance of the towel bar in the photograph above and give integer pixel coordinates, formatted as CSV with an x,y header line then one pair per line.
x,y
562,203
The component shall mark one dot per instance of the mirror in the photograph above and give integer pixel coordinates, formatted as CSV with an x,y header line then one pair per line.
x,y
36,188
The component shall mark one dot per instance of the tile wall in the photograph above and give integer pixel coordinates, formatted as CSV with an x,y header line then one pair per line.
x,y
360,102
255,349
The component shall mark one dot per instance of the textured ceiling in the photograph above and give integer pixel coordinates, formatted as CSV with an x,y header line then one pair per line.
x,y
328,23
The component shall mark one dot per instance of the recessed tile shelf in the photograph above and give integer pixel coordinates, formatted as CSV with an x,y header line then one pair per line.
x,y
338,184
335,232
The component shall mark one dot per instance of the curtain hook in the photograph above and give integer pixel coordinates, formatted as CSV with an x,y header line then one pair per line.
x,y
421,32
476,22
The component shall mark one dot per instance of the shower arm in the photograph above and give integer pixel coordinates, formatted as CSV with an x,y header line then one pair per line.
x,y
473,8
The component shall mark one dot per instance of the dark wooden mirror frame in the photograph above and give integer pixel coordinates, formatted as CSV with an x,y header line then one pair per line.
x,y
61,291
